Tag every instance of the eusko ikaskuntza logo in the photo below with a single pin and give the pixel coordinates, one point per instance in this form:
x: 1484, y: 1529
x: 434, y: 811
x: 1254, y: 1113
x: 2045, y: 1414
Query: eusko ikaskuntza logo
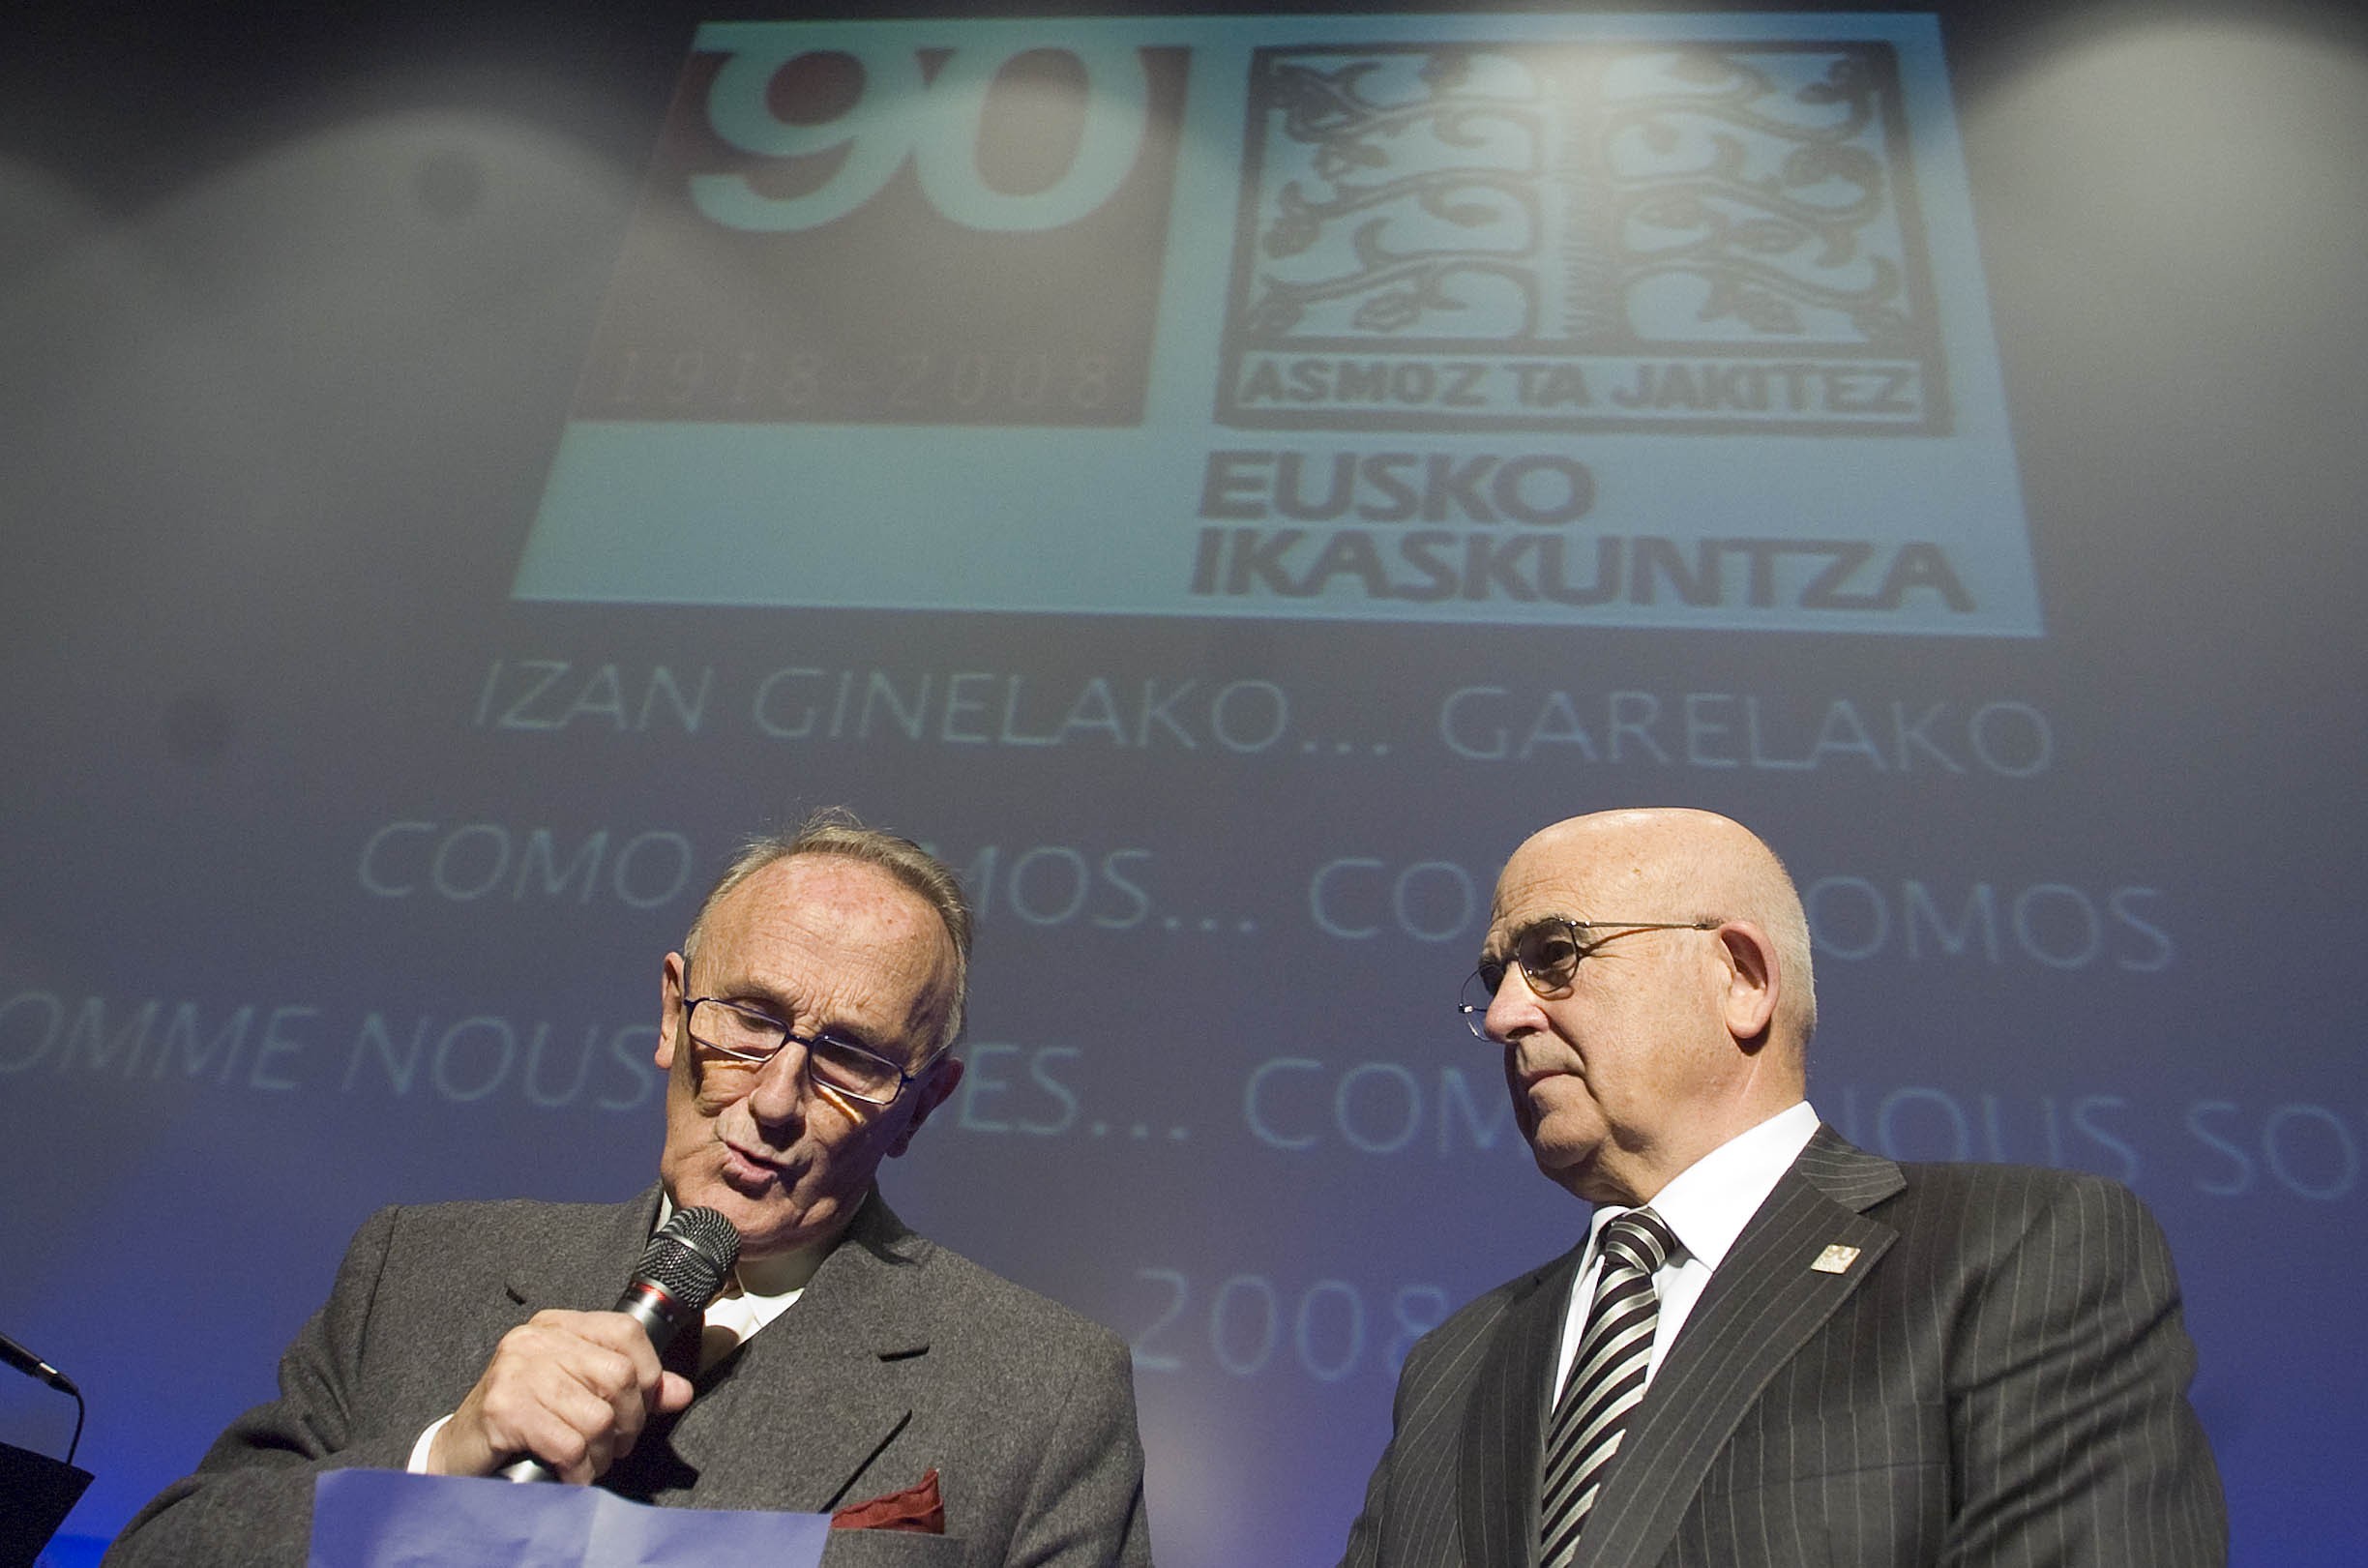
x: 1637, y: 236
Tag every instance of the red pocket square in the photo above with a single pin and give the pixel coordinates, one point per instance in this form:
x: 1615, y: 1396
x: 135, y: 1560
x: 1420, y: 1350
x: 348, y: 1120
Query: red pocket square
x: 917, y: 1508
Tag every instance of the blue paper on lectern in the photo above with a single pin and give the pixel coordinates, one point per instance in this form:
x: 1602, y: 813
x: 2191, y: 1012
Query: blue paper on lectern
x: 386, y: 1518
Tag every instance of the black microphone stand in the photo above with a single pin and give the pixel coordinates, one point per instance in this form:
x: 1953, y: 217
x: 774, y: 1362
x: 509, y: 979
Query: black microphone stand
x: 37, y: 1492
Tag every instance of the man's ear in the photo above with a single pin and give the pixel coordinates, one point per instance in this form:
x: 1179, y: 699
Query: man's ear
x: 670, y: 1013
x: 930, y: 1091
x: 1754, y: 980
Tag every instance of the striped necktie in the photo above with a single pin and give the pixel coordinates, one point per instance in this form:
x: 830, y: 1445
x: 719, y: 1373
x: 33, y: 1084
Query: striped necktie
x: 1607, y: 1379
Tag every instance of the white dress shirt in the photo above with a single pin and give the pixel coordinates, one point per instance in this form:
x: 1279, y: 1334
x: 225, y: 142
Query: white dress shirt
x: 1705, y: 1207
x: 758, y: 1291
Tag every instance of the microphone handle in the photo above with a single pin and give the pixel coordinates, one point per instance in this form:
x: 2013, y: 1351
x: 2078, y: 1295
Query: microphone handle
x: 660, y: 1316
x: 33, y: 1365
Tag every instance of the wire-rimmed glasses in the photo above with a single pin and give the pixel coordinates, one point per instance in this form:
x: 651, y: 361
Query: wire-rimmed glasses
x: 1548, y: 952
x: 739, y: 1037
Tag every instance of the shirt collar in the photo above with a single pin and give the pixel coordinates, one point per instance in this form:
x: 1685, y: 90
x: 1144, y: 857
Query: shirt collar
x: 1710, y: 1202
x: 762, y: 1280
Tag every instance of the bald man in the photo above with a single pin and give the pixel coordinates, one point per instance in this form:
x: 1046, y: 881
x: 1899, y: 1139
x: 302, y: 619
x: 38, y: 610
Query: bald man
x: 1771, y: 1347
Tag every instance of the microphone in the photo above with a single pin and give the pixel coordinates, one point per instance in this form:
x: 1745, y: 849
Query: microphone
x: 680, y: 1272
x: 33, y: 1365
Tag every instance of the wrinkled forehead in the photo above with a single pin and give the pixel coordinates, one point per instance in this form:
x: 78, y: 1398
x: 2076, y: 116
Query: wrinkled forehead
x: 1577, y: 877
x: 872, y: 936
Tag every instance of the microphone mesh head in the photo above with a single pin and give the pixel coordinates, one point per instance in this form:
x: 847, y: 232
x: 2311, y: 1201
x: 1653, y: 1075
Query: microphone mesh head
x: 691, y: 1255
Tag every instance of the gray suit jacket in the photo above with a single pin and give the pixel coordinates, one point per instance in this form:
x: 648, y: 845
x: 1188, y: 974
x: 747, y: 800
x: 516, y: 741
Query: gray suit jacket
x: 900, y: 1357
x: 1999, y: 1377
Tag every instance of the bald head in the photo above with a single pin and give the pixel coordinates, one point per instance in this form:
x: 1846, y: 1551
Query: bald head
x: 1692, y: 865
x: 1656, y: 996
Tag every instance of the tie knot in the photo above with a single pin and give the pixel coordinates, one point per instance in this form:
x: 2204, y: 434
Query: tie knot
x: 1640, y: 1238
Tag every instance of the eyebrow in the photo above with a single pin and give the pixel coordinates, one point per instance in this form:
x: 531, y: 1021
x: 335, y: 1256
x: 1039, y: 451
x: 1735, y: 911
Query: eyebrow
x: 854, y: 1034
x: 757, y: 999
x: 1513, y: 937
x: 791, y: 1018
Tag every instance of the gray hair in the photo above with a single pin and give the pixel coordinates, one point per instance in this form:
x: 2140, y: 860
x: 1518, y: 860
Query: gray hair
x: 834, y: 830
x: 1761, y: 888
x: 1789, y: 928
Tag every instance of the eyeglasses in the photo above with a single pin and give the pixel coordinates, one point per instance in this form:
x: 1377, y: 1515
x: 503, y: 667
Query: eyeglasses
x: 740, y: 1039
x: 1546, y: 952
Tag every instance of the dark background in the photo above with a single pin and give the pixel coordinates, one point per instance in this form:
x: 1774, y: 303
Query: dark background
x: 293, y: 302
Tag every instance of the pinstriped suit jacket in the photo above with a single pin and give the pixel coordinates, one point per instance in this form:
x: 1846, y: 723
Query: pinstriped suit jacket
x: 1999, y: 1377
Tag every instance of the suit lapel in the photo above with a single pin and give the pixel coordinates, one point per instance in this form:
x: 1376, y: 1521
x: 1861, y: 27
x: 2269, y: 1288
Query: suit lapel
x: 792, y: 1417
x: 1496, y: 1483
x: 1762, y: 1306
x: 584, y: 1266
x: 801, y: 1408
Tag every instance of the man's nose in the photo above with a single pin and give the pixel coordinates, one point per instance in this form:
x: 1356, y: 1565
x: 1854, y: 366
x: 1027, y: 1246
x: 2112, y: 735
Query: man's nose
x: 1514, y: 1009
x: 777, y: 1099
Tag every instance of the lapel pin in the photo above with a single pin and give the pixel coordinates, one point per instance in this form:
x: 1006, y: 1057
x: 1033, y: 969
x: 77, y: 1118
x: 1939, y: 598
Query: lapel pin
x: 1835, y: 1259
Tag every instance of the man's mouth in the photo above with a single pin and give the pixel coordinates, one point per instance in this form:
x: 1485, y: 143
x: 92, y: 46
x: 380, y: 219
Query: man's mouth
x: 750, y: 1171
